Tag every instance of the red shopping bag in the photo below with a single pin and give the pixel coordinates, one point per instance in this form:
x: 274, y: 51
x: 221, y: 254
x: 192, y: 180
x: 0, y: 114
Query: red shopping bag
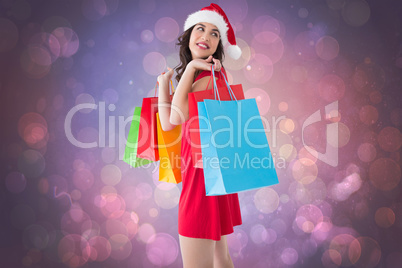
x: 199, y: 96
x: 147, y: 133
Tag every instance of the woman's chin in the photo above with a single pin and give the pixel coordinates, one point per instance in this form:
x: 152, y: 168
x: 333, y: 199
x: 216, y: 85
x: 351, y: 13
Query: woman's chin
x: 202, y: 57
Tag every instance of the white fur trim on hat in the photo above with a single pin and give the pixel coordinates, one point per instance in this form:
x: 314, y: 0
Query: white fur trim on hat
x: 210, y: 17
x: 234, y: 51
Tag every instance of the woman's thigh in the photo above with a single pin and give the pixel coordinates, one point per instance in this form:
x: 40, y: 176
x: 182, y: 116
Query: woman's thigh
x: 197, y: 252
x: 221, y: 255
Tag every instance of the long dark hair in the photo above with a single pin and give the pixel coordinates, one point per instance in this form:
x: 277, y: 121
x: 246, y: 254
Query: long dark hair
x: 185, y: 53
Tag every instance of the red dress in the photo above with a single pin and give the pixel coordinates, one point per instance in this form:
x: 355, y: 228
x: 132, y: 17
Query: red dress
x: 202, y: 216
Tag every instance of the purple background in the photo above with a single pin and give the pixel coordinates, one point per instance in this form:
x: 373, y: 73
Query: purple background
x: 63, y: 205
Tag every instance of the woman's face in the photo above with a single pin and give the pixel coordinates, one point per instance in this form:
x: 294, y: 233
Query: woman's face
x: 204, y: 40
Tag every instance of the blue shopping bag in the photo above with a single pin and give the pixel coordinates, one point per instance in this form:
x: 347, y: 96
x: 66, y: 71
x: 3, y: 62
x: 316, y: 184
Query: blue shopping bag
x: 235, y: 151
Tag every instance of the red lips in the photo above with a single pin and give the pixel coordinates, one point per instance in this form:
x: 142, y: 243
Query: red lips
x: 202, y: 45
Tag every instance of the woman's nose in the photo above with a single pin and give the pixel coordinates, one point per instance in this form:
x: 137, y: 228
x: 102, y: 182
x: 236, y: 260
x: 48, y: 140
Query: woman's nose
x: 204, y: 37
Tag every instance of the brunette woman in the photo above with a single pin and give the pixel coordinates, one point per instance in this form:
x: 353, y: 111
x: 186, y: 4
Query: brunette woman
x: 204, y: 221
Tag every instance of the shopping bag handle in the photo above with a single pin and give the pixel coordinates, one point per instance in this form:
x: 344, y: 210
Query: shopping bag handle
x: 157, y: 83
x: 231, y: 93
x: 216, y: 93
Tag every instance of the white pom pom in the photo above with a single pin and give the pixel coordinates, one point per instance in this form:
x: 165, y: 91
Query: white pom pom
x: 234, y: 51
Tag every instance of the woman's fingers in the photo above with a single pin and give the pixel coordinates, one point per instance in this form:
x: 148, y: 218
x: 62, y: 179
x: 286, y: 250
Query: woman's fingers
x: 166, y: 76
x: 217, y: 65
x: 170, y: 73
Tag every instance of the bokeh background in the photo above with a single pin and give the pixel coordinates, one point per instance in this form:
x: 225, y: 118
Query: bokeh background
x: 73, y: 71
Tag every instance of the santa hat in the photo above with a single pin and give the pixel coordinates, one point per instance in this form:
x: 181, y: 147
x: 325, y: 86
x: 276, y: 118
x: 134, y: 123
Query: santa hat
x: 214, y: 14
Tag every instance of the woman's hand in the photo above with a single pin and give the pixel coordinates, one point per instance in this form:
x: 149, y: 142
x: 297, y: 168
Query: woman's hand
x: 165, y: 77
x: 201, y: 64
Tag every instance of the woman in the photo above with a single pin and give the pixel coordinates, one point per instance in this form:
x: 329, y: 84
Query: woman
x: 204, y: 221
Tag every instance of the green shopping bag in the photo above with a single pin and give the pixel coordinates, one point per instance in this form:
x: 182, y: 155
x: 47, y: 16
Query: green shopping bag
x: 130, y: 152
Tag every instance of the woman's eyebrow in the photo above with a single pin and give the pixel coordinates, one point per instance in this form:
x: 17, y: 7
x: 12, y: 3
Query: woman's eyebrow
x: 216, y: 30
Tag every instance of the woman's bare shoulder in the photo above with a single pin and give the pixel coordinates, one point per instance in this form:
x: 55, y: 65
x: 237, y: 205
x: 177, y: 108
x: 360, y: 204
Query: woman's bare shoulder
x: 201, y: 84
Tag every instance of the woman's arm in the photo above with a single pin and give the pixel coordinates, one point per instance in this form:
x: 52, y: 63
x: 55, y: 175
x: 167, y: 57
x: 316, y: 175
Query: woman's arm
x: 175, y: 112
x: 164, y: 102
x: 179, y: 110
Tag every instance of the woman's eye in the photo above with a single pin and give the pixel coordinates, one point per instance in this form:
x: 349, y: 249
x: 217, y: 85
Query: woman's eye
x: 200, y: 28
